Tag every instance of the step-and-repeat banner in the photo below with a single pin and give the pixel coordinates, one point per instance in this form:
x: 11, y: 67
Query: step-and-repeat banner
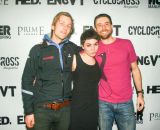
x: 24, y: 22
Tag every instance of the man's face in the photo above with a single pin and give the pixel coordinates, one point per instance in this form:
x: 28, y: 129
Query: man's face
x: 103, y: 27
x: 62, y: 28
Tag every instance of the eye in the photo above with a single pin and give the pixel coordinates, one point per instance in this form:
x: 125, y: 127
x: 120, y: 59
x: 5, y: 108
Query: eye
x: 88, y: 45
x: 99, y: 25
x: 96, y: 44
x: 61, y: 23
x: 107, y: 23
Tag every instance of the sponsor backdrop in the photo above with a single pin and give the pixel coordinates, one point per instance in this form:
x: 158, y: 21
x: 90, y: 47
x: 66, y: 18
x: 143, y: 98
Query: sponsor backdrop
x: 24, y: 22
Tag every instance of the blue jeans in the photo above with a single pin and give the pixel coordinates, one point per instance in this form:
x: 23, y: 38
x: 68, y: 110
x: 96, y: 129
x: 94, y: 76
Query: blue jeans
x: 121, y: 113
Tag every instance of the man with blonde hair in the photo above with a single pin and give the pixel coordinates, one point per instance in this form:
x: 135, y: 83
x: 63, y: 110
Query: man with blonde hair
x: 46, y: 79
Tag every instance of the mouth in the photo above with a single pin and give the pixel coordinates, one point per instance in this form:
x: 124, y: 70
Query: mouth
x: 94, y: 53
x: 64, y: 34
x: 104, y: 32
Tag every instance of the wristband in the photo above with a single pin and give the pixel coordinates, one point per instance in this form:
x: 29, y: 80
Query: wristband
x: 141, y: 91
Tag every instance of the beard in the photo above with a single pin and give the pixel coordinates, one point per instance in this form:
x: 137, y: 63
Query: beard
x: 106, y: 36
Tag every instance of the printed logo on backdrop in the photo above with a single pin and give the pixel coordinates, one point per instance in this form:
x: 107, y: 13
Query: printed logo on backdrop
x: 49, y: 2
x: 144, y: 30
x: 154, y: 89
x: 5, y: 32
x: 65, y: 2
x: 7, y: 91
x: 124, y: 3
x: 30, y: 30
x: 116, y: 29
x: 139, y: 117
x: 5, y: 120
x: 153, y: 3
x: 153, y: 60
x: 9, y: 62
x: 27, y: 2
x: 154, y: 117
x: 4, y: 2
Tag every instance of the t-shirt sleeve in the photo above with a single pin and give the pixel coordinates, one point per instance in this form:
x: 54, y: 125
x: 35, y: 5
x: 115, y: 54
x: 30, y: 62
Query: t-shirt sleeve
x: 132, y: 54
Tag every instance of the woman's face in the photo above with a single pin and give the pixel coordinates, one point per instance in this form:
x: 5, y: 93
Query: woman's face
x: 90, y: 47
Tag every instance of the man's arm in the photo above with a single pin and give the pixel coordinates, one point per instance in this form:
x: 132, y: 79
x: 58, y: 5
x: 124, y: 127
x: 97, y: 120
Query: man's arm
x: 28, y: 81
x: 28, y: 78
x: 138, y: 84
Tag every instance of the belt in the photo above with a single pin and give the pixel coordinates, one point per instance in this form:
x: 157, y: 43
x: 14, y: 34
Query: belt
x: 57, y: 105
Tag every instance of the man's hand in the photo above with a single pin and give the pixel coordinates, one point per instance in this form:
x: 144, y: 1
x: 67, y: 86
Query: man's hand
x: 140, y: 102
x: 29, y: 120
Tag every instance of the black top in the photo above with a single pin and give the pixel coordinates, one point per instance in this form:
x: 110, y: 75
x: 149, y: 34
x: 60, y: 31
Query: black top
x: 84, y: 106
x: 85, y: 82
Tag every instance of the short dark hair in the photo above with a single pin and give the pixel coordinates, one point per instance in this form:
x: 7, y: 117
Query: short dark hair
x: 89, y: 34
x: 102, y: 15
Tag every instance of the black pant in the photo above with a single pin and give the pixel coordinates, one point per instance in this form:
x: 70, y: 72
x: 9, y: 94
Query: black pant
x: 48, y: 119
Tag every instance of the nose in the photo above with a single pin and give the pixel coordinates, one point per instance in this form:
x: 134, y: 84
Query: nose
x: 65, y: 27
x: 103, y: 27
x: 93, y: 48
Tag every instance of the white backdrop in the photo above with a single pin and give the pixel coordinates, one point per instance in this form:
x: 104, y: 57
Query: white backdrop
x: 24, y: 22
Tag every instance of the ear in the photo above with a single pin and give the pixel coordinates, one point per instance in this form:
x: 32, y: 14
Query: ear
x: 94, y: 29
x: 82, y: 46
x: 52, y: 27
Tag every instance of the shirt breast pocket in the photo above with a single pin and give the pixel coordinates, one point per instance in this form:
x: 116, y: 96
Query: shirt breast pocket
x: 49, y: 66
